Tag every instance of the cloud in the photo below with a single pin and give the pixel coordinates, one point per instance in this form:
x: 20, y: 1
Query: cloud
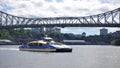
x: 112, y: 1
x: 57, y: 8
x: 1, y: 7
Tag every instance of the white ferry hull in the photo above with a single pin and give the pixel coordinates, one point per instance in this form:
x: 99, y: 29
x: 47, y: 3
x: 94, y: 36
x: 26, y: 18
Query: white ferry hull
x: 39, y: 50
x: 46, y: 50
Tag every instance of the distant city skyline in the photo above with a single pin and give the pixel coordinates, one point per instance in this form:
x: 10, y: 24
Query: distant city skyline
x: 87, y: 30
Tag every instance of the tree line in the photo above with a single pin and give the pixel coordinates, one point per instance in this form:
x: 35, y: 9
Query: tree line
x: 26, y: 35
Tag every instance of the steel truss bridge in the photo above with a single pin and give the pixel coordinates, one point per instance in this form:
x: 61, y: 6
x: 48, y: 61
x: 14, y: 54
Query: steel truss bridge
x: 107, y: 19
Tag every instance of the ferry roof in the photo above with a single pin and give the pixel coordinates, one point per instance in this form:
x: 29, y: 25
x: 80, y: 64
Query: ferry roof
x: 48, y: 38
x: 74, y: 41
x: 40, y: 41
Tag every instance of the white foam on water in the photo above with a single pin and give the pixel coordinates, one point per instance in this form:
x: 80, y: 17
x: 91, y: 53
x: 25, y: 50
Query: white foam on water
x: 16, y: 49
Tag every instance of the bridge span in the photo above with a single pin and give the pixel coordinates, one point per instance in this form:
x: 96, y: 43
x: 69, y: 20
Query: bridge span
x: 107, y: 19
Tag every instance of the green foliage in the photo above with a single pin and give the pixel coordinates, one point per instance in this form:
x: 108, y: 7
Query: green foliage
x: 4, y: 34
x: 116, y: 42
x: 15, y: 34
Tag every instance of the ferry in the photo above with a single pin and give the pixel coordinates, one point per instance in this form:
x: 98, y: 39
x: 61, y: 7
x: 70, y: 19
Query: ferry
x: 45, y: 45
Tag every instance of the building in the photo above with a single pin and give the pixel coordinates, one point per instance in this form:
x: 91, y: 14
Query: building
x: 53, y: 29
x: 116, y: 34
x: 74, y: 42
x: 57, y: 30
x: 103, y: 31
x: 6, y: 42
x: 48, y: 30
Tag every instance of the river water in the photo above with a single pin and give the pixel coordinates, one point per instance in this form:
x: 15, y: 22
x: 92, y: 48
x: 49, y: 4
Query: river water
x: 87, y: 56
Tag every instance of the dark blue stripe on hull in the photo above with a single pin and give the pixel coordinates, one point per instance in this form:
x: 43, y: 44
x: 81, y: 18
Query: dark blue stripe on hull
x: 64, y: 50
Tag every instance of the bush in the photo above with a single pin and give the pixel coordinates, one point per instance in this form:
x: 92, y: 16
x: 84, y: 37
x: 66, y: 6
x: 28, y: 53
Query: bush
x: 116, y: 42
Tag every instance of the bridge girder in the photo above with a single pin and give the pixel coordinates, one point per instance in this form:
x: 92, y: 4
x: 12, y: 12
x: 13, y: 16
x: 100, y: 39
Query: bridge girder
x: 107, y: 19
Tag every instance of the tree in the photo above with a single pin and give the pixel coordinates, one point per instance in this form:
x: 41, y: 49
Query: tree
x: 84, y: 34
x: 116, y: 42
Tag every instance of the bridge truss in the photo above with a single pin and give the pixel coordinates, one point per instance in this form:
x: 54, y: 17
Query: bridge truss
x: 107, y: 19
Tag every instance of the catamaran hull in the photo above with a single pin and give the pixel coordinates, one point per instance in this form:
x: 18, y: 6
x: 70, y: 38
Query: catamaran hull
x: 47, y: 50
x: 64, y: 50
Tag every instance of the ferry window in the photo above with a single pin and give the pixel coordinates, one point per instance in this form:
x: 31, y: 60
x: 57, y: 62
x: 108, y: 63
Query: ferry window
x: 40, y: 44
x: 32, y: 44
x: 29, y: 44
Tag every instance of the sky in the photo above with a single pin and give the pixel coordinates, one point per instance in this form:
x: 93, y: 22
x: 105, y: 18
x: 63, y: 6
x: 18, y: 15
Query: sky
x: 61, y: 8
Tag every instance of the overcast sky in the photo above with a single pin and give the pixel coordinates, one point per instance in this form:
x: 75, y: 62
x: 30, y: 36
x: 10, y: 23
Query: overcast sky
x: 61, y: 8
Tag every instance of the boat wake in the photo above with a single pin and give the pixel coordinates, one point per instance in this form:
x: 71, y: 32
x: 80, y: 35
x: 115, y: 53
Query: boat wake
x: 16, y: 49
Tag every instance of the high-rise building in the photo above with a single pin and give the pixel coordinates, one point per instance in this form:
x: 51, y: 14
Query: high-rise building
x: 57, y: 30
x: 103, y: 31
x: 116, y: 34
x: 50, y: 30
